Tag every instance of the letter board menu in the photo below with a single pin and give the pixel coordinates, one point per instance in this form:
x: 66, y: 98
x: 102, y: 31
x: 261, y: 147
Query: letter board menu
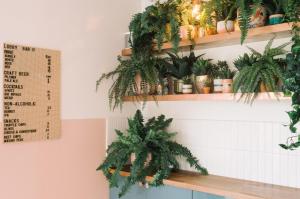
x: 31, y: 91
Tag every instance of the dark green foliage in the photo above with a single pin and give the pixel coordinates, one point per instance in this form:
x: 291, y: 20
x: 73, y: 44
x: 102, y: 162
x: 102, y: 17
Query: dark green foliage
x: 292, y: 84
x: 143, y: 139
x: 264, y: 70
x: 124, y: 78
x: 275, y: 6
x: 181, y: 67
x: 292, y: 10
x: 221, y: 8
x: 223, y: 70
x: 202, y: 67
x: 245, y: 60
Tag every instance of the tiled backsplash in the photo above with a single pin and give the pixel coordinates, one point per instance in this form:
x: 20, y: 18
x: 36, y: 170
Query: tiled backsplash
x: 230, y: 139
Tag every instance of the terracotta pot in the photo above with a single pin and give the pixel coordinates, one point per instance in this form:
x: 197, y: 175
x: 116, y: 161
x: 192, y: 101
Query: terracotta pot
x: 187, y: 89
x: 211, y: 30
x: 227, y: 85
x: 133, y: 158
x: 276, y: 19
x: 223, y: 27
x: 263, y: 88
x: 218, y: 85
x: 206, y: 90
x: 200, y: 82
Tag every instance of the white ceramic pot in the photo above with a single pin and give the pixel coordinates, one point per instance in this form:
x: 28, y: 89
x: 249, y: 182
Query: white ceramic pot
x: 201, y: 32
x: 200, y: 82
x: 187, y: 89
x: 227, y: 85
x: 223, y: 26
x: 218, y: 85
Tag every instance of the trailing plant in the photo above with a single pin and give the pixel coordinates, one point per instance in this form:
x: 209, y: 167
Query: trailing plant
x: 292, y: 84
x: 245, y: 60
x: 265, y: 70
x: 145, y: 139
x: 201, y: 67
x: 220, y: 9
x: 124, y: 78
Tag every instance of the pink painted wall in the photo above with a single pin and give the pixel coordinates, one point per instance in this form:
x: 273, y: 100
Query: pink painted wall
x: 59, y: 169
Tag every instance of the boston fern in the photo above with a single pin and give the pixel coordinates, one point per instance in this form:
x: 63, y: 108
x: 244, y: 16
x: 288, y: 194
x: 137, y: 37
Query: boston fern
x: 123, y: 76
x: 144, y: 139
x: 265, y: 70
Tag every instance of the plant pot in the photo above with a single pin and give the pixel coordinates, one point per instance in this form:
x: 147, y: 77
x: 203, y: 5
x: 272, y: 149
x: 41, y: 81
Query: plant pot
x: 200, y: 82
x: 171, y: 85
x: 259, y: 17
x: 227, y: 85
x: 211, y: 30
x: 138, y: 83
x: 133, y: 158
x: 206, y: 90
x: 201, y: 32
x: 276, y: 19
x: 218, y: 85
x: 263, y: 88
x: 178, y: 86
x: 187, y: 32
x: 187, y: 88
x: 223, y: 26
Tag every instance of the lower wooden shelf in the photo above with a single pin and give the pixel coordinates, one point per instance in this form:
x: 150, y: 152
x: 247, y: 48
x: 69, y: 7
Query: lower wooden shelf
x: 228, y: 187
x: 206, y: 97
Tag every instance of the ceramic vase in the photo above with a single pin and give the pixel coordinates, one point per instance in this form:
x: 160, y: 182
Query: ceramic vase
x: 218, y: 85
x: 200, y: 82
x: 227, y: 85
x: 223, y: 26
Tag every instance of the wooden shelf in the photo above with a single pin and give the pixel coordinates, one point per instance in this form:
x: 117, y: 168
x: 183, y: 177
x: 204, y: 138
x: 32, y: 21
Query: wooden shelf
x: 255, y: 34
x: 228, y: 187
x: 206, y: 97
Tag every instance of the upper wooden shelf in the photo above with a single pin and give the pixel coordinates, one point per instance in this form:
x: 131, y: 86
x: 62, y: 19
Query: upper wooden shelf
x: 228, y: 187
x: 206, y: 97
x: 231, y: 38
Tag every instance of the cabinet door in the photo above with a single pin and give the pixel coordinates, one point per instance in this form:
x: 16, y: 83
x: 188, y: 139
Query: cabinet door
x: 200, y: 195
x: 135, y: 192
x: 164, y: 192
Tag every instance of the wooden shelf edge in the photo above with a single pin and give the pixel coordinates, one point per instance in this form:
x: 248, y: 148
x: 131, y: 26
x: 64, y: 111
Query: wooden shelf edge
x: 206, y: 97
x: 225, y: 38
x: 224, y: 186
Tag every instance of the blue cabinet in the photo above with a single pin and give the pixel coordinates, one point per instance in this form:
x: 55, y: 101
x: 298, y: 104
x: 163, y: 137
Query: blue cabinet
x: 200, y: 195
x: 162, y: 192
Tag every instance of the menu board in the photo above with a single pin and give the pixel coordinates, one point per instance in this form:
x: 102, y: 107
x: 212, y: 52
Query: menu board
x: 31, y: 91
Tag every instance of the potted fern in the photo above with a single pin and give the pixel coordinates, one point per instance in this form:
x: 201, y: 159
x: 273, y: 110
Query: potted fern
x: 131, y: 77
x: 264, y: 72
x: 148, y: 141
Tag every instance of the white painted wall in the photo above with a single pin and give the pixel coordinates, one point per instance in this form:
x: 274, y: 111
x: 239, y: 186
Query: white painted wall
x: 89, y: 33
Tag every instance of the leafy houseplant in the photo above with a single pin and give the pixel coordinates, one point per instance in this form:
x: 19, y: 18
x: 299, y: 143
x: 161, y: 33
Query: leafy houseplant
x: 143, y: 139
x: 226, y: 74
x: 275, y: 9
x: 201, y: 70
x: 264, y: 71
x: 181, y: 67
x: 292, y: 84
x: 124, y: 79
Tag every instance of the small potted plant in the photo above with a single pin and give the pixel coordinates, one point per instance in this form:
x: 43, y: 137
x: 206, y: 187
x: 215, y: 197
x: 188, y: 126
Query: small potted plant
x: 227, y: 76
x: 207, y: 86
x: 275, y: 10
x: 218, y: 76
x: 187, y: 87
x: 200, y: 70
